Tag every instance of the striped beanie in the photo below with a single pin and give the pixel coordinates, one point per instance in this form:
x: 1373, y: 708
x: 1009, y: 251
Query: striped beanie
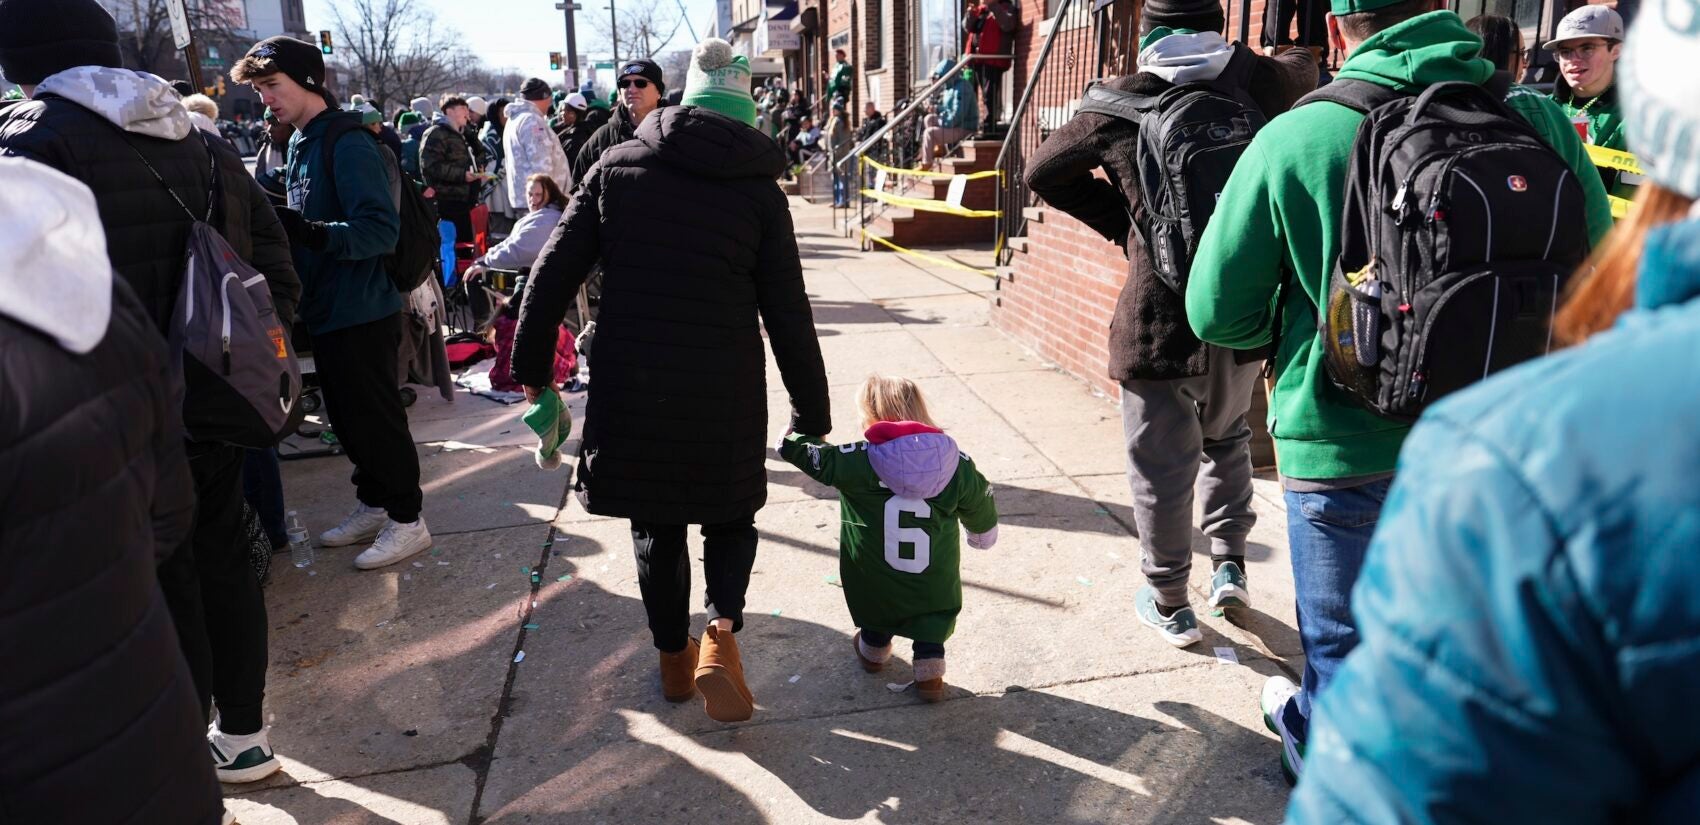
x: 1661, y: 93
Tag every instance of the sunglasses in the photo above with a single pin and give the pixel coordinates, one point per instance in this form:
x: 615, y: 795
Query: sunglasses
x: 637, y: 82
x: 1584, y: 51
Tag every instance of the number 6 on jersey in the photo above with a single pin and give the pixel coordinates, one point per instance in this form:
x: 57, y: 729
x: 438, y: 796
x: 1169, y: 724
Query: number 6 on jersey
x: 896, y: 536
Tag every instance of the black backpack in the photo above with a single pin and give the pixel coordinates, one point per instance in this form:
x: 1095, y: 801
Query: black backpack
x: 418, y: 248
x: 1190, y: 137
x: 1460, y: 229
x: 241, y: 382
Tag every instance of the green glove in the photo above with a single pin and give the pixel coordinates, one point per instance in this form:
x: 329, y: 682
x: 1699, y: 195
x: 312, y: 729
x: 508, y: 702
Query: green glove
x: 552, y: 422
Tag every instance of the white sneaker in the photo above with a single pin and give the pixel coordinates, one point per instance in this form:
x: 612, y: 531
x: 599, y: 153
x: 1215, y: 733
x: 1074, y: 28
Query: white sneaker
x: 1277, y: 692
x: 240, y: 759
x: 395, y: 542
x: 361, y: 525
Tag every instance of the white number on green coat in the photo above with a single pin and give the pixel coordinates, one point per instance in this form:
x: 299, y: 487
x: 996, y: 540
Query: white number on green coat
x: 896, y: 536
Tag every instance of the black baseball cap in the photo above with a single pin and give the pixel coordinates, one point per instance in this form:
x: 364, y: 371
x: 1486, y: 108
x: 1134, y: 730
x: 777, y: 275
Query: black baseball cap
x: 298, y: 60
x: 645, y: 68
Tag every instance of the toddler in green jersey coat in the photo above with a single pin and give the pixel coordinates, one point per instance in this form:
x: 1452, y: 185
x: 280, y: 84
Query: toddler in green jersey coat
x: 902, y: 493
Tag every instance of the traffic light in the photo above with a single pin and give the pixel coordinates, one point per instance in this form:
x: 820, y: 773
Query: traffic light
x: 554, y: 61
x: 325, y: 42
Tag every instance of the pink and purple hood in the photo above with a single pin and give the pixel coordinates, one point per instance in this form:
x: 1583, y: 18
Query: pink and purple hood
x: 914, y: 460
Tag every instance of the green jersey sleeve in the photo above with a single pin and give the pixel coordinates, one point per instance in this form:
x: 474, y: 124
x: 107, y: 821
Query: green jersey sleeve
x: 813, y: 455
x: 976, y: 507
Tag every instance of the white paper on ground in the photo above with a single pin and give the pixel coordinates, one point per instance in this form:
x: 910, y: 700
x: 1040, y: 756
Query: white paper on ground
x: 1227, y: 656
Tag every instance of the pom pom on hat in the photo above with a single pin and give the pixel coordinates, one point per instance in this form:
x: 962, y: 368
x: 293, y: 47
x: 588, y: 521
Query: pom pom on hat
x: 719, y: 81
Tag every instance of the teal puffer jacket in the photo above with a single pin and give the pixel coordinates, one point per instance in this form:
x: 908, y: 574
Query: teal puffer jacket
x: 1530, y: 627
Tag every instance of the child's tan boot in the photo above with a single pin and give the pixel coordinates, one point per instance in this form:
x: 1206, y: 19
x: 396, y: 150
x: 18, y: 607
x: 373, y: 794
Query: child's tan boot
x: 929, y: 679
x: 873, y: 659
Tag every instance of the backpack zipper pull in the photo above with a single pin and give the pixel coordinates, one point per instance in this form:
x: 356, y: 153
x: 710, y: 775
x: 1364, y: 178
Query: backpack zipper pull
x: 1398, y: 205
x: 226, y: 355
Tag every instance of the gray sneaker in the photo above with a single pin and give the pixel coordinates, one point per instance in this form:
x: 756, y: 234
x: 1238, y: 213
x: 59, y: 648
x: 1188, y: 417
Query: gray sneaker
x: 1228, y: 587
x: 1179, y: 629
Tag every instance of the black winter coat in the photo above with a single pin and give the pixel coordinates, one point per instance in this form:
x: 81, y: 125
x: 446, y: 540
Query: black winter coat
x: 1150, y: 339
x: 444, y: 159
x: 99, y: 720
x: 699, y: 253
x: 616, y: 131
x: 146, y: 231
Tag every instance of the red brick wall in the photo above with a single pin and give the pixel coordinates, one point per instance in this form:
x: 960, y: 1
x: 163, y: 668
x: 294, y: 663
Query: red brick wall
x: 1061, y: 296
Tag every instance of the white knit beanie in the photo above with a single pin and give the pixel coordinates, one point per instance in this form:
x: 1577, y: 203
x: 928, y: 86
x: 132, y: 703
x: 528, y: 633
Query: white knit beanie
x: 1661, y: 93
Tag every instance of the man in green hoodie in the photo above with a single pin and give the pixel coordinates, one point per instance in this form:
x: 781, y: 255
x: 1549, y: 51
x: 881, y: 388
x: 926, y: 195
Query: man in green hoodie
x: 1281, y: 213
x: 341, y: 225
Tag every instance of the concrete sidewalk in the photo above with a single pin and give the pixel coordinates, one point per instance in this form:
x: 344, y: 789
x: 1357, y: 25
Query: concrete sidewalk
x: 398, y: 695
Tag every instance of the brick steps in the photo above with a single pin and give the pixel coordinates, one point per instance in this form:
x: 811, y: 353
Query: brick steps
x: 910, y: 228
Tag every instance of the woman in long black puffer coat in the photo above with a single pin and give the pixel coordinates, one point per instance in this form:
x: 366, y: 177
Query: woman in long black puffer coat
x: 696, y: 243
x: 99, y: 720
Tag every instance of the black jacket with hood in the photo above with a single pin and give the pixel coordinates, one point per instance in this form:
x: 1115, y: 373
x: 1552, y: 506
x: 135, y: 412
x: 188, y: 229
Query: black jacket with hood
x: 699, y: 255
x: 84, y: 121
x: 99, y: 720
x: 1149, y: 336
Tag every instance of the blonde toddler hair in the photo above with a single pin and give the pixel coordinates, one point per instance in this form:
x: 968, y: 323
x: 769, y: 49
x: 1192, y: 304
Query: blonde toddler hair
x: 892, y: 399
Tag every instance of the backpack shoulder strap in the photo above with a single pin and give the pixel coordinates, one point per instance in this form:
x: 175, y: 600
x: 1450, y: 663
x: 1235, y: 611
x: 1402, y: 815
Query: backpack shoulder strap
x: 327, y: 146
x: 1360, y: 96
x: 1103, y: 100
x: 1236, y: 76
x: 1499, y: 85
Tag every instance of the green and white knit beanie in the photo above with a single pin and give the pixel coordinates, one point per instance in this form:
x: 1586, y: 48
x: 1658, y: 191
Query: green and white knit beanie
x: 719, y: 81
x: 1661, y: 93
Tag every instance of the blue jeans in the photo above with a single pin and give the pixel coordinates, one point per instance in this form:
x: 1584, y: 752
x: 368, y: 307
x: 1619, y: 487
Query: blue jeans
x: 840, y: 189
x: 262, y: 486
x: 1328, y: 533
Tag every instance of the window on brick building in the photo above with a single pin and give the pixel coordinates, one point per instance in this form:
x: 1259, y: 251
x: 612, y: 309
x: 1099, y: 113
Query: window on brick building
x: 873, y: 13
x: 938, y: 36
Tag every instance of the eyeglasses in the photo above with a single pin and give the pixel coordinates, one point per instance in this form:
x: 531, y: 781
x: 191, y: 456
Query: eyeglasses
x: 1585, y: 51
x: 636, y: 82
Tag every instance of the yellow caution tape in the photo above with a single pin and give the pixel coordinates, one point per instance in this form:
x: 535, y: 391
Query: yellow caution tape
x: 1614, y: 159
x: 921, y: 173
x: 933, y: 259
x: 925, y: 205
x: 1619, y: 206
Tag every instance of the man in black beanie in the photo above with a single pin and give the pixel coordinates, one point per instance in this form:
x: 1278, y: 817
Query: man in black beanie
x: 641, y: 88
x: 1183, y: 403
x: 107, y: 126
x: 1194, y: 15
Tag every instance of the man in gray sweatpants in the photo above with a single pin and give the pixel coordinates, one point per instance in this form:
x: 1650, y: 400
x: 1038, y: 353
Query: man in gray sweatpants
x: 1183, y: 402
x: 1162, y: 421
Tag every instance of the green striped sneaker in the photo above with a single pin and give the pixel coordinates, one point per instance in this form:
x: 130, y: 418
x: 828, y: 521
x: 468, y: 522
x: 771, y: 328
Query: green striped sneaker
x: 1179, y: 628
x: 241, y: 759
x: 1228, y: 587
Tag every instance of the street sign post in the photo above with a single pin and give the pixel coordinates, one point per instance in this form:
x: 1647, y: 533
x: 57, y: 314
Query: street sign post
x: 184, y: 39
x: 571, y: 68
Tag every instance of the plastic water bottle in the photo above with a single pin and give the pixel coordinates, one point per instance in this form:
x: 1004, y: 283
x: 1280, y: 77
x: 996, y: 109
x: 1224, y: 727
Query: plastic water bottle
x: 300, y: 547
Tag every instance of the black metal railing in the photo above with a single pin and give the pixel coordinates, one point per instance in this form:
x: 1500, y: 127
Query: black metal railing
x: 1066, y: 63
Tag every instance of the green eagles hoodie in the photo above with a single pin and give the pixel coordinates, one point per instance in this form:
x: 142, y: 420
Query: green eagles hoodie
x: 344, y: 284
x: 1281, y: 210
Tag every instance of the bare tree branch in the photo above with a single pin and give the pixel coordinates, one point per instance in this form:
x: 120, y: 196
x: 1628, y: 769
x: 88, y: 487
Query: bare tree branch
x: 393, y: 51
x: 645, y: 27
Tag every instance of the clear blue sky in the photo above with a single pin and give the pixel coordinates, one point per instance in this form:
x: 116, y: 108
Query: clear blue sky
x: 519, y: 33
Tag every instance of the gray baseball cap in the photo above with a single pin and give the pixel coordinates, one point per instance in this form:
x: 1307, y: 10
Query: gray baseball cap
x: 1586, y: 22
